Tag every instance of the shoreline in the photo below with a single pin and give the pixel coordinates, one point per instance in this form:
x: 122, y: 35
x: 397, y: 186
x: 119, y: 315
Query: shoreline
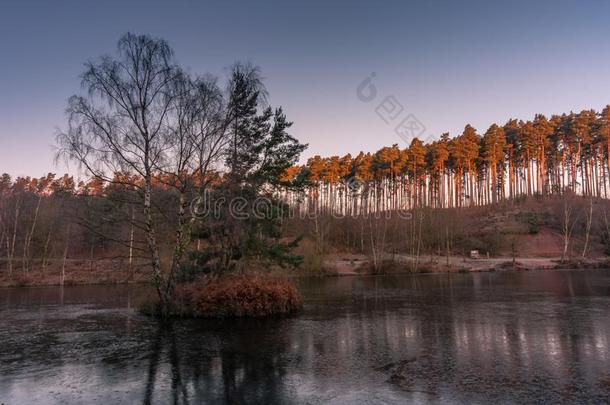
x: 404, y: 264
x: 401, y: 265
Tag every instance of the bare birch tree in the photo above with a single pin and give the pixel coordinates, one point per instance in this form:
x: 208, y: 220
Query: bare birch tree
x: 143, y: 116
x: 568, y: 219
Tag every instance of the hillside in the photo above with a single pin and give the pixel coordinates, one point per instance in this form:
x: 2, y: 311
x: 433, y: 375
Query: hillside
x: 534, y: 230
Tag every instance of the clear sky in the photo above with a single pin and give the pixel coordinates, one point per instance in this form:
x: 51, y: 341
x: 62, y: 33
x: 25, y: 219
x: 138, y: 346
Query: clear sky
x: 447, y: 63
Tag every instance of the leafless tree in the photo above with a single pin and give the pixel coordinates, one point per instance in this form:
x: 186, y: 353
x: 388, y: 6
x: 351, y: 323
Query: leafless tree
x: 197, y: 135
x: 568, y: 219
x: 144, y: 116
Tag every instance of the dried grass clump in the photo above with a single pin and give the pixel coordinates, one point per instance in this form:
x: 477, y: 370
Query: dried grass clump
x: 238, y: 296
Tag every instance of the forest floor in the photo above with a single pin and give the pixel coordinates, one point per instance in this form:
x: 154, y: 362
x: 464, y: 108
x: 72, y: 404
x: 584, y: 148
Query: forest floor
x: 76, y: 272
x: 531, y: 229
x: 84, y: 272
x: 402, y: 263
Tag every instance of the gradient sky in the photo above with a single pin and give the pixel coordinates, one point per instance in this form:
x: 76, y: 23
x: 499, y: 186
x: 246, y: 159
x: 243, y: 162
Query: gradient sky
x: 447, y: 63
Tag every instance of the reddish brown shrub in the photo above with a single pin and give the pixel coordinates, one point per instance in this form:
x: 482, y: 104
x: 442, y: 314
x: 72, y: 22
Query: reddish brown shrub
x: 238, y: 296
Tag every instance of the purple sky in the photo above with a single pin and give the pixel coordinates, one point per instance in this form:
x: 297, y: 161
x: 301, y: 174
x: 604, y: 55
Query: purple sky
x: 447, y: 64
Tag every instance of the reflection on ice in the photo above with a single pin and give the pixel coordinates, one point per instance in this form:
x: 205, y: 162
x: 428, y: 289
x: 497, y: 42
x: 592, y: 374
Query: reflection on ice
x: 518, y: 337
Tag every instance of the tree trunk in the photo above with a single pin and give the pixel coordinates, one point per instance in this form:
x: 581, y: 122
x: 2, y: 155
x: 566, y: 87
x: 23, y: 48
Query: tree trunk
x: 28, y: 238
x: 11, y: 251
x: 45, y: 251
x: 421, y: 219
x: 588, y: 228
x: 566, y: 230
x: 155, y: 260
x: 373, y: 251
x: 65, y: 258
x: 183, y: 238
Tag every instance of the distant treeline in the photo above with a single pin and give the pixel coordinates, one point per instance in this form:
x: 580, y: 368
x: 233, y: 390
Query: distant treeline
x: 51, y: 217
x: 42, y: 218
x: 542, y: 156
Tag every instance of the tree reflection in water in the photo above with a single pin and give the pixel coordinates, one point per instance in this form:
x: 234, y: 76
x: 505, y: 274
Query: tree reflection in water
x: 468, y: 338
x: 228, y: 367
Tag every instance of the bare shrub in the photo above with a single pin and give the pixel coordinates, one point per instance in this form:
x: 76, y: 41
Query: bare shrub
x: 237, y: 296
